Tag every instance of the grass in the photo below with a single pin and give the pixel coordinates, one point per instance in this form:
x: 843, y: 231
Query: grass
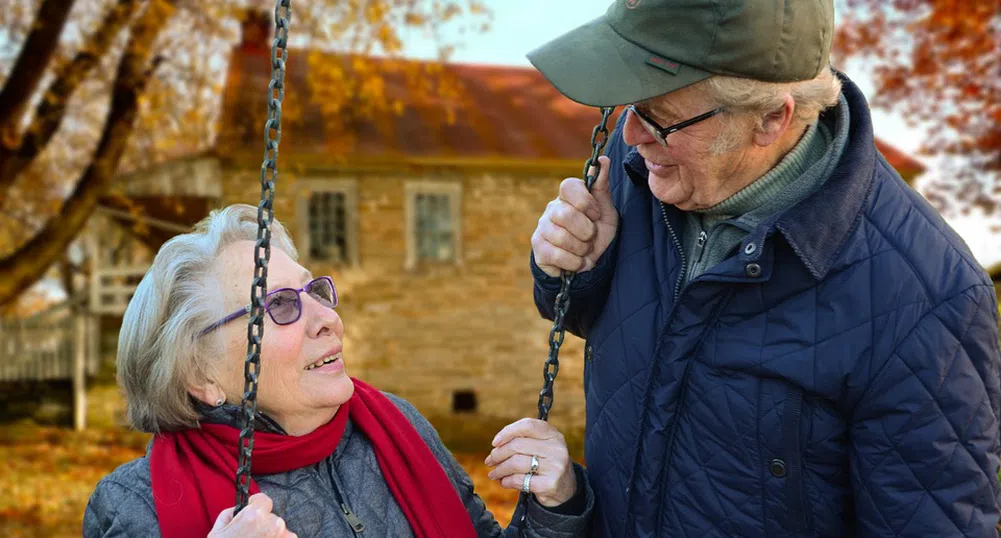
x: 50, y: 472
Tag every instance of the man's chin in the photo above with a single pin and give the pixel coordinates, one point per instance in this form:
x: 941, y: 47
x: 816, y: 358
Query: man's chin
x: 664, y: 188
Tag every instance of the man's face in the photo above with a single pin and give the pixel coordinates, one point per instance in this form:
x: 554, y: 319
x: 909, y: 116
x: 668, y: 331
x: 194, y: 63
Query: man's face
x: 688, y: 173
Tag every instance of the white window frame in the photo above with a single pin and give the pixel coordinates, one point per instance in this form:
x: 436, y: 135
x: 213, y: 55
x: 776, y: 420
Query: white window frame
x: 410, y: 191
x: 347, y: 187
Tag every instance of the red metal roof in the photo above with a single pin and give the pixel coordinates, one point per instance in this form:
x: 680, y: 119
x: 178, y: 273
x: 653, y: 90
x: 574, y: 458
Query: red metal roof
x: 506, y: 112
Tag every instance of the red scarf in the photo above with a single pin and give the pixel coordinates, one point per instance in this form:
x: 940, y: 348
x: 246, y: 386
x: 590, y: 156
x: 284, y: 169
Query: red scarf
x: 194, y: 471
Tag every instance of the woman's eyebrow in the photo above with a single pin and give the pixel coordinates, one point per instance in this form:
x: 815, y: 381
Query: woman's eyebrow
x: 304, y: 277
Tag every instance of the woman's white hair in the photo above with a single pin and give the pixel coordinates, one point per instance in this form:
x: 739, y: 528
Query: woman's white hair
x: 748, y: 101
x: 160, y: 353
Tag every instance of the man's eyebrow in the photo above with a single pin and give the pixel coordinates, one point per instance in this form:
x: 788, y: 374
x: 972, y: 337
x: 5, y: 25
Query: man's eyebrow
x: 659, y: 110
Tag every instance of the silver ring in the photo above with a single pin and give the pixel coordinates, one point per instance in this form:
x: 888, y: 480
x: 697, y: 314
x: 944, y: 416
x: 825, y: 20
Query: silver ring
x: 535, y: 465
x: 527, y: 484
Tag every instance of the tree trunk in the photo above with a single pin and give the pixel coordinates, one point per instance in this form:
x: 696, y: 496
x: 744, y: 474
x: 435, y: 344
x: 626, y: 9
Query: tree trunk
x: 27, y: 264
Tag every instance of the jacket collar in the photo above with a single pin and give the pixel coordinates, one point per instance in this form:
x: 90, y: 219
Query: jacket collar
x: 229, y: 415
x: 818, y: 227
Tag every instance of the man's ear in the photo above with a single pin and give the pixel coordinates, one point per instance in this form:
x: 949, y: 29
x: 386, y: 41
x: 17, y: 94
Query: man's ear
x: 775, y: 123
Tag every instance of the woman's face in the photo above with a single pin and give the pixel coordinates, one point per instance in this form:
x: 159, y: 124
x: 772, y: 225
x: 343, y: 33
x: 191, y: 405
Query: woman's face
x: 292, y: 389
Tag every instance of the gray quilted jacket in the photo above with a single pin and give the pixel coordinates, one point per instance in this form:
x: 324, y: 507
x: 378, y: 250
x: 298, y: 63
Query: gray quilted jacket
x: 310, y: 498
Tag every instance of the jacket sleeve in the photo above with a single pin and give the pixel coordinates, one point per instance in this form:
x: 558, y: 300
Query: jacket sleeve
x: 925, y: 435
x: 539, y: 523
x: 588, y: 293
x: 116, y: 511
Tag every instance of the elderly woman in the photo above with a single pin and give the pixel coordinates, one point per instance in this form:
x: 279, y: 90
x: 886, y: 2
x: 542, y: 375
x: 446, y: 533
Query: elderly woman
x: 332, y: 455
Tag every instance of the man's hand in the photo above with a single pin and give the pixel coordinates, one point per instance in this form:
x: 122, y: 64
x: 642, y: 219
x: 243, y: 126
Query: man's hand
x: 577, y: 227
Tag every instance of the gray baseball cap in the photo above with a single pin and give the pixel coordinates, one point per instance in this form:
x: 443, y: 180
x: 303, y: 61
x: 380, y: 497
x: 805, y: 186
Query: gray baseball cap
x: 644, y: 48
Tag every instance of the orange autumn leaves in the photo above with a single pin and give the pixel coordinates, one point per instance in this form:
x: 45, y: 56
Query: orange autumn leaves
x: 938, y: 62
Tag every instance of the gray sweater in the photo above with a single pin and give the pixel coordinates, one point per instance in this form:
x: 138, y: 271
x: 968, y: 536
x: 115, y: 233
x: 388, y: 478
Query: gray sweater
x: 307, y: 498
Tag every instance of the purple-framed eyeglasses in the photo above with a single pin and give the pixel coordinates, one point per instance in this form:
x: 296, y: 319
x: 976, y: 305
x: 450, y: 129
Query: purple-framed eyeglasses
x: 284, y: 305
x: 660, y: 133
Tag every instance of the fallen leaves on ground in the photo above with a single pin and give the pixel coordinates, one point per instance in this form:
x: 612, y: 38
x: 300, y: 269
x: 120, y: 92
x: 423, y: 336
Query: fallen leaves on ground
x: 50, y: 472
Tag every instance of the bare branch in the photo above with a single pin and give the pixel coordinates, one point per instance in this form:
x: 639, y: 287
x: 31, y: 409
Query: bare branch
x: 51, y: 110
x: 36, y: 50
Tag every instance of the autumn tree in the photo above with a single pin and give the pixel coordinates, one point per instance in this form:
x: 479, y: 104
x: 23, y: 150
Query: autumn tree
x: 938, y: 62
x: 94, y: 86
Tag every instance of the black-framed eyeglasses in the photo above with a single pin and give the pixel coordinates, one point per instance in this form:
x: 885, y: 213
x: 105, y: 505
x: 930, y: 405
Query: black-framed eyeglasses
x: 284, y: 305
x: 660, y: 133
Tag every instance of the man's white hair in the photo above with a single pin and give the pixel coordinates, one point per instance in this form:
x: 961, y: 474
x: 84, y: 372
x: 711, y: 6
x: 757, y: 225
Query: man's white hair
x: 747, y: 101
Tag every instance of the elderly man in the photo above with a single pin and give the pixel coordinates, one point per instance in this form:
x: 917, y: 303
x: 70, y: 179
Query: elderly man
x: 783, y: 339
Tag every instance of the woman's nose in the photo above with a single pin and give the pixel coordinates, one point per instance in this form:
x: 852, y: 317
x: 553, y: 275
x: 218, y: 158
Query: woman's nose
x: 321, y: 320
x: 633, y: 133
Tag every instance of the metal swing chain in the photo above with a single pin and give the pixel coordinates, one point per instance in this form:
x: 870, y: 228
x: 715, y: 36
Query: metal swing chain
x: 262, y: 251
x: 599, y: 137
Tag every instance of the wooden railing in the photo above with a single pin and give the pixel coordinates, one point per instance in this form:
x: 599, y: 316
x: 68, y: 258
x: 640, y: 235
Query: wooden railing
x: 58, y: 344
x: 111, y: 288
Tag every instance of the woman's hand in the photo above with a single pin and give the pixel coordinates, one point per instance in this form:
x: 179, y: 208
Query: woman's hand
x: 554, y: 482
x: 254, y: 521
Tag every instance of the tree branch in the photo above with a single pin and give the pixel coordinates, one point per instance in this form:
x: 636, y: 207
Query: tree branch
x: 51, y: 110
x: 27, y: 264
x: 24, y: 76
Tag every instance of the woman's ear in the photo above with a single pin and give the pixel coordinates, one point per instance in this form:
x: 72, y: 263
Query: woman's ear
x: 208, y: 392
x: 775, y: 123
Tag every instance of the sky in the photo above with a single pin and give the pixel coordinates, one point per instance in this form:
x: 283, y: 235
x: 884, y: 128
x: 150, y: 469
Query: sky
x: 518, y: 26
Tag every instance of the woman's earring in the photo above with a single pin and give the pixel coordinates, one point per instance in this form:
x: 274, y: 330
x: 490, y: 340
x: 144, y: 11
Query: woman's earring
x: 220, y: 401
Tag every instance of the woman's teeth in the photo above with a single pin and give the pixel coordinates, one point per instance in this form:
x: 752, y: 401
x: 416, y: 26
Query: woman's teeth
x: 321, y: 362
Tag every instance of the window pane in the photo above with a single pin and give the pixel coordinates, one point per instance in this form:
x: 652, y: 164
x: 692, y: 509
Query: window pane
x: 328, y: 227
x: 435, y: 240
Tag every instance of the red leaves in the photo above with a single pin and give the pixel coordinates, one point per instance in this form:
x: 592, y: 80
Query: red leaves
x: 938, y: 62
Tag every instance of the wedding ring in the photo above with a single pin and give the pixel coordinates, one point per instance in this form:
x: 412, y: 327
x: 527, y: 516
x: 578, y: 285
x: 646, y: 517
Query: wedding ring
x: 535, y: 465
x: 527, y: 484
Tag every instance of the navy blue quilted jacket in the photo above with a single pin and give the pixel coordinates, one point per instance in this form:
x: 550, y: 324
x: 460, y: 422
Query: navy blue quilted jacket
x: 837, y: 378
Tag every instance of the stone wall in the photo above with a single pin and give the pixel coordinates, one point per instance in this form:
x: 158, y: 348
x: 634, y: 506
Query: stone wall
x: 441, y: 334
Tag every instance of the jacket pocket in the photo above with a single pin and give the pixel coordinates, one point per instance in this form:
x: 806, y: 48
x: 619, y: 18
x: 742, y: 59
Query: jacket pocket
x: 588, y: 367
x: 798, y: 518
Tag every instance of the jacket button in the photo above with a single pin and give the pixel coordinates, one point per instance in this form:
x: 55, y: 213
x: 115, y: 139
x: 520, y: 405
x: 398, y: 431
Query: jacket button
x: 778, y: 468
x: 752, y: 270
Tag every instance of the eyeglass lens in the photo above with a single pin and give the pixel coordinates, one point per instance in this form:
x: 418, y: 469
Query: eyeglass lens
x: 285, y: 306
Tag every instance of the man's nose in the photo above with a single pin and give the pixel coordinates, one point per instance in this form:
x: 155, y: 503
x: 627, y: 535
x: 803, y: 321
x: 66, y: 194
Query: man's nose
x: 633, y: 133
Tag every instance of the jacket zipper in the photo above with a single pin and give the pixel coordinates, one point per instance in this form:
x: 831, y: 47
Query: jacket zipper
x: 630, y: 519
x: 682, y: 398
x: 353, y: 520
x: 681, y: 252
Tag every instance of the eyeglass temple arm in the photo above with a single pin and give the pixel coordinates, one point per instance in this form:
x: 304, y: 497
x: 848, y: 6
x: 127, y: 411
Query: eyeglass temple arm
x: 242, y: 312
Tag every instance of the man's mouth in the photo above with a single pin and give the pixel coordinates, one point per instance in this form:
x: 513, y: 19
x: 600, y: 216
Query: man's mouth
x: 656, y: 169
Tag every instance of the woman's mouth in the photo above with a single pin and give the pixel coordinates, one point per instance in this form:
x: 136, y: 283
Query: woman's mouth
x: 327, y: 364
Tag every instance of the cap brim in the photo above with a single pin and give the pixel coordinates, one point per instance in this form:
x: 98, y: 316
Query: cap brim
x: 595, y: 66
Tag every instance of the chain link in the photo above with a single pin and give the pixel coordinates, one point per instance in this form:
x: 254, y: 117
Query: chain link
x: 592, y: 167
x: 262, y: 251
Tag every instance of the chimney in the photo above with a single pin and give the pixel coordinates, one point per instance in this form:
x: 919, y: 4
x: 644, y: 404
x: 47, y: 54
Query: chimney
x: 257, y: 30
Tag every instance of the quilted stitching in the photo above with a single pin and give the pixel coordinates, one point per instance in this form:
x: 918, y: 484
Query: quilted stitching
x: 896, y: 350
